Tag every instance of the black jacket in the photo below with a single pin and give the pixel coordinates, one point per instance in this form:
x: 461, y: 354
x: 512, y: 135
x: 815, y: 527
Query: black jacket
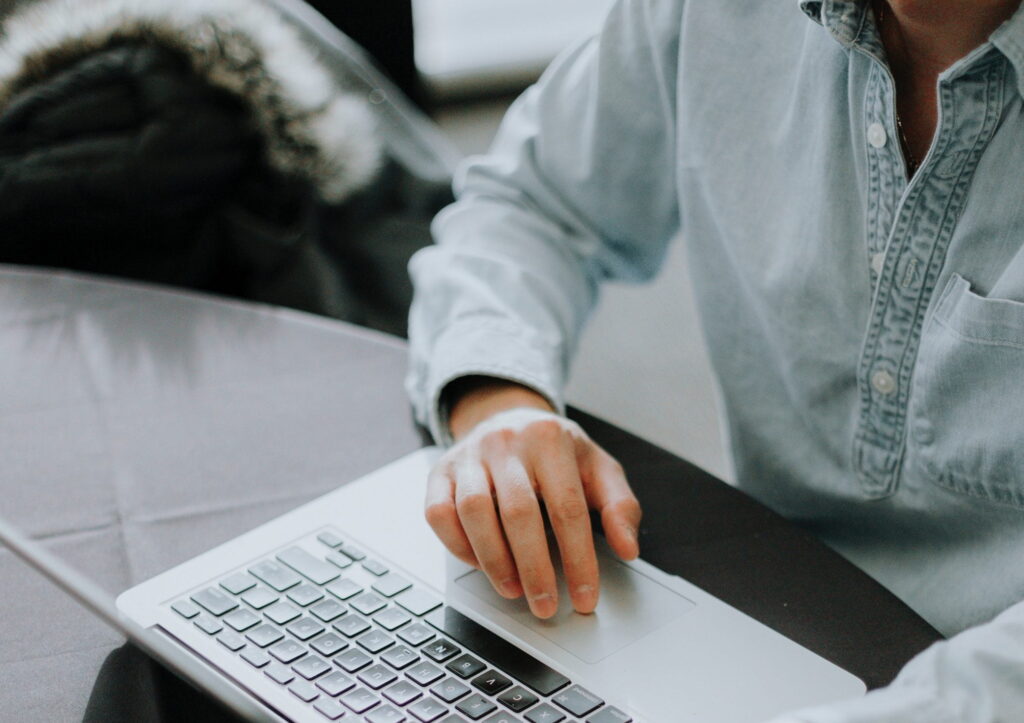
x: 242, y: 147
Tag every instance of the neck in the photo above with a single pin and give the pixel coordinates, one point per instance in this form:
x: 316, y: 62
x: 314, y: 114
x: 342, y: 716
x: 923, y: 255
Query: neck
x: 925, y: 37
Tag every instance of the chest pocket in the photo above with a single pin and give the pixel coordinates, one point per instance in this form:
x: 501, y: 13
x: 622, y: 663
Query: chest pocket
x: 967, y: 408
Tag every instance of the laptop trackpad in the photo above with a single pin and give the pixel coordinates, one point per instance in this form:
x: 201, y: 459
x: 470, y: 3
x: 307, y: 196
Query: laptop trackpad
x: 631, y: 606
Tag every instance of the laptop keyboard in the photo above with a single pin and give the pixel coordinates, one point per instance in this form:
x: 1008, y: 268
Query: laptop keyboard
x: 356, y: 641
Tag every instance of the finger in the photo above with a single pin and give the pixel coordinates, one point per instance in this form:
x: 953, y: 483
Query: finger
x: 475, y: 504
x: 608, y: 491
x: 524, y: 529
x: 443, y: 517
x: 558, y: 477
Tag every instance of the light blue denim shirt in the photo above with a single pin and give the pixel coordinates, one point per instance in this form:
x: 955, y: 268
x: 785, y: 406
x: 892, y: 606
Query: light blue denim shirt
x: 867, y: 332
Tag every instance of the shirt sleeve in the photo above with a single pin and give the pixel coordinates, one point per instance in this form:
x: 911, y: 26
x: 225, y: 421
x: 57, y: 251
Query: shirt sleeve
x: 578, y: 187
x: 974, y: 677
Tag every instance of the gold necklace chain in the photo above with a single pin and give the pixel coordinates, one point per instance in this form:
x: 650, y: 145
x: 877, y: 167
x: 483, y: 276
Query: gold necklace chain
x: 911, y: 159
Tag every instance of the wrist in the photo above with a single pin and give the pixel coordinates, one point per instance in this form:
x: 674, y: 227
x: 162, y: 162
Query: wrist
x: 471, y: 400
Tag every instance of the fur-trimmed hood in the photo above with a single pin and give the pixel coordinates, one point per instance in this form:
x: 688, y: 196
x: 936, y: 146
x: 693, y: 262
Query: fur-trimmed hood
x: 311, y: 128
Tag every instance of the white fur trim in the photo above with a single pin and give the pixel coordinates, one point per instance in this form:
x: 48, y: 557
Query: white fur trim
x: 311, y: 128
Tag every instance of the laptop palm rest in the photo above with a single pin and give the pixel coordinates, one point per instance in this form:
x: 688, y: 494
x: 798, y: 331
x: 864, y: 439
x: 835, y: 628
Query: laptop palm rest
x: 631, y: 606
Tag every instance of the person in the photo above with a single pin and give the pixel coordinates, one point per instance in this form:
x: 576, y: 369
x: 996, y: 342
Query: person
x: 845, y: 179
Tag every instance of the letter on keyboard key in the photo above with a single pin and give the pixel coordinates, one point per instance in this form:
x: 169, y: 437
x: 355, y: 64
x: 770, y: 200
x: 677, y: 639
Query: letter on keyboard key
x: 385, y: 714
x: 475, y: 706
x: 517, y: 699
x: 214, y: 601
x: 336, y: 683
x: 578, y: 701
x: 277, y: 576
x: 427, y: 710
x: 287, y: 651
x: 308, y: 566
x: 360, y: 700
x: 264, y: 635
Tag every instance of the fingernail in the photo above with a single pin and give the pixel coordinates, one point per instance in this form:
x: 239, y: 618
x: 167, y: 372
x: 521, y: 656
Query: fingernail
x: 511, y: 588
x: 585, y: 598
x: 543, y: 605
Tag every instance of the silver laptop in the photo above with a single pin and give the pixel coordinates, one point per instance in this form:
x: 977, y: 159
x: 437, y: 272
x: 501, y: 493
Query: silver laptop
x: 348, y: 608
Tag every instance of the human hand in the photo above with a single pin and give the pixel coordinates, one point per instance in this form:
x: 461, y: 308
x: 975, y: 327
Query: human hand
x: 484, y: 497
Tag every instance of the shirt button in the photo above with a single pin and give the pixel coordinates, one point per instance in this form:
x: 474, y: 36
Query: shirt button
x: 877, y: 262
x: 876, y: 135
x: 883, y: 382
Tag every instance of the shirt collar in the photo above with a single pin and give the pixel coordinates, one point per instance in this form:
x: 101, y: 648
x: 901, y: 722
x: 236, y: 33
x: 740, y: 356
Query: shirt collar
x: 846, y: 21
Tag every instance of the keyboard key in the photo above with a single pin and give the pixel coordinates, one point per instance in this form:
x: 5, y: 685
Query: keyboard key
x: 424, y: 673
x: 335, y: 684
x: 390, y: 585
x: 492, y: 682
x: 329, y: 708
x: 465, y: 666
x: 287, y: 651
x: 338, y: 560
x: 503, y: 717
x: 238, y: 583
x: 427, y: 710
x: 328, y: 644
x: 377, y: 676
x: 282, y: 612
x: 375, y: 641
x: 344, y: 589
x: 352, y: 660
x: 374, y: 567
x: 185, y: 609
x: 214, y: 601
x: 440, y: 650
x: 351, y: 625
x: 328, y: 610
x: 360, y: 700
x: 392, y: 618
x: 242, y: 619
x: 311, y: 667
x: 309, y: 567
x: 352, y: 551
x: 416, y: 634
x: 304, y: 691
x: 475, y: 706
x: 578, y: 701
x: 385, y: 714
x: 517, y: 699
x: 400, y: 657
x: 305, y: 628
x: 276, y: 575
x: 450, y: 690
x: 417, y: 601
x: 515, y: 662
x: 279, y: 673
x: 304, y: 595
x: 255, y: 657
x: 402, y: 693
x: 231, y: 641
x: 609, y: 714
x: 264, y: 635
x: 329, y: 539
x: 259, y: 598
x: 544, y: 713
x: 208, y: 625
x: 368, y: 603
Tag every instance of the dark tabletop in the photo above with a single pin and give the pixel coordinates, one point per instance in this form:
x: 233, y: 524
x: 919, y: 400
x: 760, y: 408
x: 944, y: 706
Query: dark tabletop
x: 139, y: 427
